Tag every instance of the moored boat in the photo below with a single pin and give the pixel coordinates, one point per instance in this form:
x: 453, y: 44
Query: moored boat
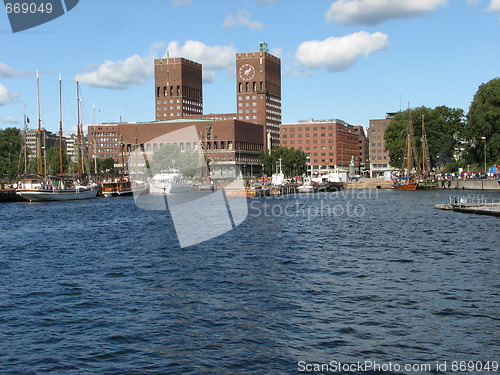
x: 36, y: 189
x: 39, y: 188
x: 407, y: 182
x: 168, y: 182
x: 121, y: 186
x: 308, y: 186
x: 427, y: 185
x: 405, y: 185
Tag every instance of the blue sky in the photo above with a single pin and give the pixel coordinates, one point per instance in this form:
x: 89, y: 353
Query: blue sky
x: 349, y: 59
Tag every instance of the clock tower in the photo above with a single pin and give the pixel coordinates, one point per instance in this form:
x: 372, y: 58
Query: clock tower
x: 258, y: 90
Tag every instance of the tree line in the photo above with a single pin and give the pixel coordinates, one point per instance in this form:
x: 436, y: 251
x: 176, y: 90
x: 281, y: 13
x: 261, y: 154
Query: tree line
x: 455, y: 139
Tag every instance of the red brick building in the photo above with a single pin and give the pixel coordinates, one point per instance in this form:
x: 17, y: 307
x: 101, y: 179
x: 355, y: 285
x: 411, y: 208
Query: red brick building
x: 258, y: 91
x: 328, y: 143
x: 178, y: 88
x: 379, y: 156
x: 228, y: 144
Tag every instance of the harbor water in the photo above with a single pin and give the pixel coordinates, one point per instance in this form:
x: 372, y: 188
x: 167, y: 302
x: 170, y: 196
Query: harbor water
x: 321, y: 283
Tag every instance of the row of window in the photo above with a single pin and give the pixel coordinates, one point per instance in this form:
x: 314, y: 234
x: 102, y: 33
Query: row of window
x: 299, y: 129
x: 105, y: 139
x: 96, y: 134
x: 247, y: 104
x: 248, y: 117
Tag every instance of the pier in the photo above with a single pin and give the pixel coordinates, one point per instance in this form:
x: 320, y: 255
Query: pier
x: 473, y: 204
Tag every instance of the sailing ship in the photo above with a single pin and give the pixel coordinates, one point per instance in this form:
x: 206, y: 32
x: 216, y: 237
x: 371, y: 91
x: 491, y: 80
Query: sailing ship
x: 408, y: 182
x: 42, y: 187
x: 426, y: 181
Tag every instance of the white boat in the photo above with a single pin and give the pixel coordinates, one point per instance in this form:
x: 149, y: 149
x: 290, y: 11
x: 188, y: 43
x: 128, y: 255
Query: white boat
x: 35, y: 189
x: 308, y: 186
x: 168, y: 182
x: 278, y: 178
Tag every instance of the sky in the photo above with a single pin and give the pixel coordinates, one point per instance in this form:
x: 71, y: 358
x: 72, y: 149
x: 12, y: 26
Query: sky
x: 353, y: 60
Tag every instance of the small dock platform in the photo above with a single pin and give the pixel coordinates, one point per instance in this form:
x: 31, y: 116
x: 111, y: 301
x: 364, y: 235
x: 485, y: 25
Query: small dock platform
x: 474, y: 204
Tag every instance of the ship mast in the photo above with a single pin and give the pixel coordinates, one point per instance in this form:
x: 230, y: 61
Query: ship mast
x: 39, y: 129
x: 61, y: 172
x: 25, y: 143
x: 123, y: 156
x: 79, y: 132
x: 94, y: 146
x: 425, y: 152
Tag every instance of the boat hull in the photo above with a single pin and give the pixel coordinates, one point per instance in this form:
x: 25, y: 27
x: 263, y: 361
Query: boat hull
x: 44, y: 195
x: 427, y: 185
x: 306, y: 189
x: 168, y: 188
x: 409, y: 186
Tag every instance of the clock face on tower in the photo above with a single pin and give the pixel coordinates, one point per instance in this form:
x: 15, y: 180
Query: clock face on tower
x: 247, y: 72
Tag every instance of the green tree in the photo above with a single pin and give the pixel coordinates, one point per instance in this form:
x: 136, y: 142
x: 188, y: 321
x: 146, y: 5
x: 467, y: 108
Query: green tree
x: 483, y: 121
x: 105, y: 164
x: 171, y: 156
x: 443, y: 127
x: 293, y: 162
x: 52, y: 158
x: 11, y: 159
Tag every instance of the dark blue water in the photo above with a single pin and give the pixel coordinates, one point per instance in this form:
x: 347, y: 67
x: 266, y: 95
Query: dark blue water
x: 102, y: 287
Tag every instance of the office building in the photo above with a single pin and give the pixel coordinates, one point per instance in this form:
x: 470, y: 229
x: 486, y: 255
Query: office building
x: 379, y: 156
x: 328, y: 144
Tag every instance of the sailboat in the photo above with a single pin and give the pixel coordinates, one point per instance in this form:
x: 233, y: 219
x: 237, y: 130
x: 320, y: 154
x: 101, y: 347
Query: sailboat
x: 426, y: 182
x: 407, y: 182
x: 41, y: 187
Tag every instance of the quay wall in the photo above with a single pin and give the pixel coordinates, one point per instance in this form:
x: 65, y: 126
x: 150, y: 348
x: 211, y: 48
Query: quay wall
x: 444, y: 184
x: 9, y: 195
x: 469, y: 184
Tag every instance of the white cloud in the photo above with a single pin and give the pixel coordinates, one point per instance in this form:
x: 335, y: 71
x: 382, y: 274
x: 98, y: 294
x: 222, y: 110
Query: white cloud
x: 8, y: 72
x: 494, y: 6
x: 373, y: 12
x: 339, y: 53
x: 213, y: 58
x: 133, y: 71
x: 9, y: 120
x: 7, y: 96
x: 242, y: 18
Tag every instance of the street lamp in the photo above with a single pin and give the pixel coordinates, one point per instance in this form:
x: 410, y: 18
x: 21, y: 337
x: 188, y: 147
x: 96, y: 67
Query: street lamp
x: 485, y: 168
